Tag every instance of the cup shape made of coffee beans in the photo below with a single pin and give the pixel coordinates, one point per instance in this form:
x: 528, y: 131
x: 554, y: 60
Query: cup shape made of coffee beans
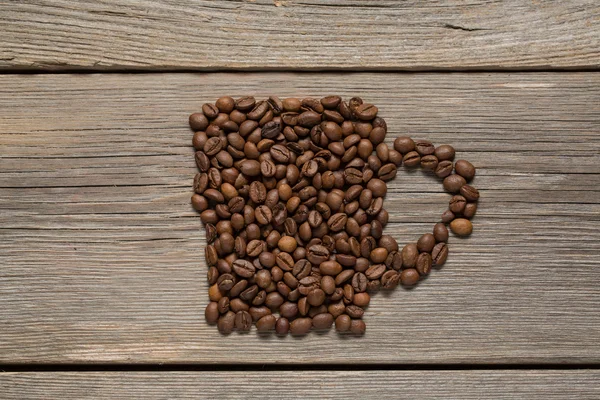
x: 291, y: 194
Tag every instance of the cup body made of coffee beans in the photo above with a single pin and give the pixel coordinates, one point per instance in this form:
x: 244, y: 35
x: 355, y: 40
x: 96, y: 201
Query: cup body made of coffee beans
x: 291, y: 194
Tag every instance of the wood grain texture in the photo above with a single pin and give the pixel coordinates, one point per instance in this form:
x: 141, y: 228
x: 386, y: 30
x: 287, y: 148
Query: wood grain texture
x: 533, y: 384
x: 299, y: 34
x: 102, y: 255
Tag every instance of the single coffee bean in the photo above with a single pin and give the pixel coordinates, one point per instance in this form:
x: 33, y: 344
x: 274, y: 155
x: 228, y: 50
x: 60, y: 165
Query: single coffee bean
x: 457, y: 203
x: 453, y: 183
x: 316, y: 297
x: 366, y: 112
x: 330, y: 267
x: 358, y: 327
x: 198, y: 122
x: 266, y: 323
x: 291, y: 104
x: 375, y: 271
x: 465, y: 169
x: 226, y: 323
x: 426, y: 243
x: 362, y: 299
x: 411, y: 159
x: 282, y: 326
x: 440, y: 232
x: 344, y: 276
x: 410, y: 252
x: 444, y: 152
x: 254, y: 248
x: 387, y: 172
x: 404, y: 145
x: 359, y: 282
x: 210, y: 110
x: 443, y: 169
x: 429, y: 162
x: 300, y: 326
x: 439, y: 254
x: 211, y: 313
x: 470, y: 210
x: 424, y: 147
x: 409, y: 277
x: 469, y: 192
x: 243, y: 321
x: 447, y: 216
x: 461, y: 227
x: 424, y: 263
x: 342, y: 323
x: 355, y: 311
x: 243, y: 268
x: 322, y: 321
x: 389, y: 280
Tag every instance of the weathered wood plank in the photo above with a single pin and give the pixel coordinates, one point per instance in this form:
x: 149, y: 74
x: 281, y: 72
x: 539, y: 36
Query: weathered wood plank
x: 497, y: 384
x: 299, y: 34
x: 102, y: 256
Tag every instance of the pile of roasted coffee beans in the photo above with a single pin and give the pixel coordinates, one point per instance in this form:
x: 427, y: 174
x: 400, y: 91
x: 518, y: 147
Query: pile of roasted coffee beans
x: 291, y: 194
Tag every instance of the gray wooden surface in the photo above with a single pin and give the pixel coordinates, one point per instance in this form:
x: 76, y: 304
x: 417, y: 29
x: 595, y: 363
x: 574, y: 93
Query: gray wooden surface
x: 102, y: 256
x: 467, y: 385
x: 299, y: 34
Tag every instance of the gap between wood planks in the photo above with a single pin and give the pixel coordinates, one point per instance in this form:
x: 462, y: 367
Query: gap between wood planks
x: 342, y: 70
x: 289, y: 367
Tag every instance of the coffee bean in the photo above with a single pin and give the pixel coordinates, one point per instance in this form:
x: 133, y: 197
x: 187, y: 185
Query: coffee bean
x: 447, y: 216
x: 470, y: 210
x: 465, y: 169
x: 457, y: 203
x: 344, y: 276
x: 308, y: 119
x: 461, y: 227
x: 443, y: 169
x: 317, y: 254
x: 266, y: 323
x: 440, y: 232
x: 453, y: 183
x: 359, y: 282
x: 410, y: 252
x: 409, y: 277
x: 375, y: 271
x: 411, y: 159
x: 426, y: 242
x: 389, y: 280
x: 250, y: 167
x: 198, y: 122
x: 429, y: 162
x: 439, y: 254
x: 424, y: 147
x: 469, y: 192
x: 444, y: 152
x: 211, y: 313
x: 355, y: 311
x: 316, y: 297
x: 404, y: 145
x: 365, y: 112
x: 424, y: 263
x: 212, y: 146
x: 243, y: 321
x: 226, y: 323
x: 342, y: 323
x: 387, y: 172
x: 243, y: 268
x: 300, y: 326
x: 282, y: 326
x: 254, y: 248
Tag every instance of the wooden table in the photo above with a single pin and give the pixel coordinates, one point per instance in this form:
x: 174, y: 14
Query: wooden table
x: 102, y: 276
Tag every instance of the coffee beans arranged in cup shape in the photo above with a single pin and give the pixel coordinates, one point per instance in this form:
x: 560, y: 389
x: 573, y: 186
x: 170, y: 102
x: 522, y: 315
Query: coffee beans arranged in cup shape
x: 291, y: 193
